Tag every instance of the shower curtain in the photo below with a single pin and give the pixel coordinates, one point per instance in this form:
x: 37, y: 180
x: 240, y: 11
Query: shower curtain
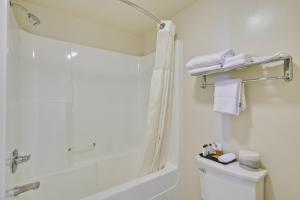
x: 160, y: 102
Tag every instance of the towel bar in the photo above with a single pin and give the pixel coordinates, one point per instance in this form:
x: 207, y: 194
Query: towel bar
x: 287, y: 71
x: 205, y: 84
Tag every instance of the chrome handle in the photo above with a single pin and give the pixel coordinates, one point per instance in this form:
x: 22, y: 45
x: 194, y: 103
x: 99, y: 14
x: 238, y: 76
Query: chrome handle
x: 16, y: 160
x: 203, y: 170
x: 21, y: 189
x: 85, y: 148
x: 22, y: 159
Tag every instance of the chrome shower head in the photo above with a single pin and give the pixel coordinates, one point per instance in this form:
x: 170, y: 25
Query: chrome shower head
x: 34, y: 20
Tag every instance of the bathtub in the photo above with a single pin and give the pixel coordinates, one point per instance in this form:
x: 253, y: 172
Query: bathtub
x: 106, y: 179
x: 150, y: 187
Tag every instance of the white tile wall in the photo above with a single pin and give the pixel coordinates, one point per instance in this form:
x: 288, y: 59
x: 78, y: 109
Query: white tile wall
x: 72, y: 95
x: 105, y: 94
x: 12, y: 110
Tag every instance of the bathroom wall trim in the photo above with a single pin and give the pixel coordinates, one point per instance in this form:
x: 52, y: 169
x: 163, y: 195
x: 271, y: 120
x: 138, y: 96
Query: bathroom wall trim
x: 3, y: 36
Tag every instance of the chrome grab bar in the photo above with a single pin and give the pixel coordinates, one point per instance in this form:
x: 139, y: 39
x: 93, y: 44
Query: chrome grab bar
x: 21, y: 189
x: 89, y: 147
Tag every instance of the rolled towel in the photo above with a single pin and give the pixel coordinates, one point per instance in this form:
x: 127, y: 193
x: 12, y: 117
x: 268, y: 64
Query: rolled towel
x: 241, y: 56
x: 209, y: 60
x: 266, y: 58
x: 226, y: 158
x: 242, y: 59
x: 204, y: 69
x: 235, y: 63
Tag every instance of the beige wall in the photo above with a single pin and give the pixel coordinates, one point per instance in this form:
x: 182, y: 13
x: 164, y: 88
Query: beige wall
x: 149, y: 41
x: 61, y: 26
x: 271, y: 124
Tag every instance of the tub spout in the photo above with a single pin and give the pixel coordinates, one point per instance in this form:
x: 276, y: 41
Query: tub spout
x: 21, y: 189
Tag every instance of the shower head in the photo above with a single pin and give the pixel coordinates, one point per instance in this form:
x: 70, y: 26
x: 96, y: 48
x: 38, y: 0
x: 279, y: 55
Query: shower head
x: 34, y: 20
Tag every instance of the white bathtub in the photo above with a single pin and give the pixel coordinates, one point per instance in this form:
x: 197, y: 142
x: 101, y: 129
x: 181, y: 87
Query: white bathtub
x: 105, y: 179
x: 149, y: 187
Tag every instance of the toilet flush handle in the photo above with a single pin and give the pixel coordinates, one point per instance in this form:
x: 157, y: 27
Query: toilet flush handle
x: 203, y: 170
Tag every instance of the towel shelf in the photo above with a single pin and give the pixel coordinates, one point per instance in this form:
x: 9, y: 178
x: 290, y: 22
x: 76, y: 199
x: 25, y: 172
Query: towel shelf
x: 287, y: 71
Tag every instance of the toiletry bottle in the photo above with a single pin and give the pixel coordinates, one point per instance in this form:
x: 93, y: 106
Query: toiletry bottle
x: 205, y: 150
x: 210, y: 149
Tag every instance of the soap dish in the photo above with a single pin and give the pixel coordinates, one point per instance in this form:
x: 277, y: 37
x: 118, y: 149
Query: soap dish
x: 210, y: 157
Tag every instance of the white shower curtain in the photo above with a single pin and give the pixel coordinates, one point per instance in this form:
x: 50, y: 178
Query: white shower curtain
x: 160, y: 101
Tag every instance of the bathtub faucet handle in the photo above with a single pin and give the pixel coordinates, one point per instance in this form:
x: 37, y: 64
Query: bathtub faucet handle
x: 203, y: 170
x: 16, y: 160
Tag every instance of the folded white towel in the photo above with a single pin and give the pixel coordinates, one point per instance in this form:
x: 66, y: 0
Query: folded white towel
x: 209, y: 60
x: 229, y: 97
x: 240, y: 56
x: 235, y: 63
x: 266, y: 58
x: 226, y: 158
x: 242, y: 59
x: 204, y: 69
x: 234, y: 58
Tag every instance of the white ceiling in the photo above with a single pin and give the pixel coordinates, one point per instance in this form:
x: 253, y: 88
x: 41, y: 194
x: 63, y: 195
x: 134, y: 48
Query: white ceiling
x: 116, y: 13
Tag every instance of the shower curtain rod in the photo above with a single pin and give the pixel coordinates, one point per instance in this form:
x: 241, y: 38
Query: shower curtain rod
x: 145, y: 12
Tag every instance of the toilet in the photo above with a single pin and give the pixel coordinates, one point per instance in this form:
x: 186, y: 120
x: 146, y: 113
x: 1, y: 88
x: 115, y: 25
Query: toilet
x: 230, y: 182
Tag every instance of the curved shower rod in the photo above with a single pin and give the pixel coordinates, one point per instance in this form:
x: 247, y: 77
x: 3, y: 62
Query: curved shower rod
x: 145, y: 12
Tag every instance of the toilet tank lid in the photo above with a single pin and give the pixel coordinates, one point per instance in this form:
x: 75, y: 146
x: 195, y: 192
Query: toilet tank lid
x: 233, y: 169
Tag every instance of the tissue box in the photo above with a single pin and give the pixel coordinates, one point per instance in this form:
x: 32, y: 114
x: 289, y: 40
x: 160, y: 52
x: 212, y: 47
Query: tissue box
x: 250, y: 159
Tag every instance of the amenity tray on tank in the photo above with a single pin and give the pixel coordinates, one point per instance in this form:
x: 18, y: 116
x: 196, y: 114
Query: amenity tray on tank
x: 210, y: 157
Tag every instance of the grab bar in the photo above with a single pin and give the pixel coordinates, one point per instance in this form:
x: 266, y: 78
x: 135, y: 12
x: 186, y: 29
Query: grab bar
x: 89, y: 147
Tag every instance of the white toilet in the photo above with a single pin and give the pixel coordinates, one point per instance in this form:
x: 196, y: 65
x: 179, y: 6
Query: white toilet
x: 230, y: 182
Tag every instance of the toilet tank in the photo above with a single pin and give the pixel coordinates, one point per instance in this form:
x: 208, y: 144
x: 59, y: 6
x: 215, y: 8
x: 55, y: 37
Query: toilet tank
x: 230, y: 182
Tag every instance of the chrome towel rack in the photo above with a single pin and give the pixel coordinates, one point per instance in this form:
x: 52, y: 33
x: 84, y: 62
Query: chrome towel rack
x: 287, y: 71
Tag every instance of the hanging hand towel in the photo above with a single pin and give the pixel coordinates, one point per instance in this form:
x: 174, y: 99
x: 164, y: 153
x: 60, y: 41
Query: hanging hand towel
x: 229, y: 97
x: 209, y: 60
x: 243, y: 104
